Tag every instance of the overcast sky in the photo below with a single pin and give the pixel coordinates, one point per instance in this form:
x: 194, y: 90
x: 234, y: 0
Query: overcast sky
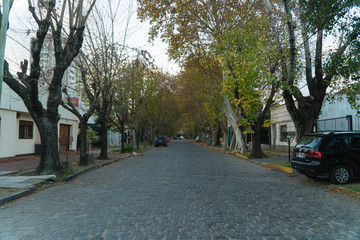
x: 21, y: 29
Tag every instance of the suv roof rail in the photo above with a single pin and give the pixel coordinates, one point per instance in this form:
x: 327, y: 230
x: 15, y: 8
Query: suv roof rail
x: 336, y: 131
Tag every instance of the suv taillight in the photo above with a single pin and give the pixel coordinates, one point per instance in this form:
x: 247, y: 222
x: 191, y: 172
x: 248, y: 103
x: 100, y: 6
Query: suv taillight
x: 316, y: 154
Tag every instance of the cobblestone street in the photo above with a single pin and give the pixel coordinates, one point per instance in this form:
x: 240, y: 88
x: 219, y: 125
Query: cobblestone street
x: 183, y: 191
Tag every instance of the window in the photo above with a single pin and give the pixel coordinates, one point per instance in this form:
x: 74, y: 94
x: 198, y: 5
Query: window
x: 355, y: 142
x: 311, y: 141
x: 283, y: 133
x: 25, y: 130
x: 335, y: 143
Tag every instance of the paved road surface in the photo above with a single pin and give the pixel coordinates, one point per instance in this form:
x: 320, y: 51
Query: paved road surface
x: 183, y: 192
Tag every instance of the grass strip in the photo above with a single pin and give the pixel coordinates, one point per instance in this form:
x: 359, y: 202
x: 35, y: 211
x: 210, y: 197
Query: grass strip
x: 284, y: 164
x: 354, y: 188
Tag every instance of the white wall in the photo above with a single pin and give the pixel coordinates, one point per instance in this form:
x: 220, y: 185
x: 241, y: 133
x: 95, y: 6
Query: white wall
x: 11, y: 145
x: 11, y: 101
x: 336, y: 109
x: 25, y: 146
x: 280, y: 117
x: 7, y: 135
x: 114, y: 138
x: 339, y: 109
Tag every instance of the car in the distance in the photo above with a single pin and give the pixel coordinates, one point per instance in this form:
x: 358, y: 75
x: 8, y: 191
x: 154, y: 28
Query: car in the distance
x: 335, y: 155
x: 160, y: 141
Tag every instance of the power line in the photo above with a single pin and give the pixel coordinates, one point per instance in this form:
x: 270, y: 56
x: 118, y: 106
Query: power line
x: 21, y: 44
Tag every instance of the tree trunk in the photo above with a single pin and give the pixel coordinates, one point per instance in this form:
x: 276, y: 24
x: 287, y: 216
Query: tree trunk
x: 137, y: 138
x: 305, y: 116
x: 304, y: 127
x: 233, y: 120
x: 225, y: 139
x: 104, y: 142
x: 218, y: 136
x: 122, y: 130
x: 83, y: 146
x: 152, y: 137
x: 256, y: 151
x: 49, y: 161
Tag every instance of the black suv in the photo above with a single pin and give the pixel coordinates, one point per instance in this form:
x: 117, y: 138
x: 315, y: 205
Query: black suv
x: 335, y: 155
x: 160, y: 141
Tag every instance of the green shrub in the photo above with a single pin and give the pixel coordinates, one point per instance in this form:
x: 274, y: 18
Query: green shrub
x: 91, y: 136
x: 128, y: 148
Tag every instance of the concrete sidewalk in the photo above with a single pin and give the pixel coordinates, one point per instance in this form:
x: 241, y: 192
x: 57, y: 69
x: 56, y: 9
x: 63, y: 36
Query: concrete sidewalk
x: 21, y: 182
x: 24, y: 162
x: 268, y: 162
x: 10, y: 169
x: 283, y: 158
x: 14, y: 184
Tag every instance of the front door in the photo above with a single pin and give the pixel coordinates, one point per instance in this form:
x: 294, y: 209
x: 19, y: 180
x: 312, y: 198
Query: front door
x: 64, y: 138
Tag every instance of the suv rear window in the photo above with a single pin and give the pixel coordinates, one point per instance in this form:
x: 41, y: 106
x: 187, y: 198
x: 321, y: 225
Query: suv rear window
x: 310, y: 141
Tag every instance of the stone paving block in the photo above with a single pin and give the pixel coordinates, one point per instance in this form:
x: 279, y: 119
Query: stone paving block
x: 183, y: 192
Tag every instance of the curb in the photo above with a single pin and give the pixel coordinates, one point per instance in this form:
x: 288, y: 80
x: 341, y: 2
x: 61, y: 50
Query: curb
x: 241, y: 156
x: 285, y: 169
x: 93, y: 167
x: 343, y: 190
x: 29, y: 191
x: 335, y: 188
x: 17, y: 195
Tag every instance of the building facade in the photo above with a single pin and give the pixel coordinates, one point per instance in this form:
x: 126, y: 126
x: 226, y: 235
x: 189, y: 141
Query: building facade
x: 18, y: 132
x: 338, y: 116
x: 281, y: 125
x: 335, y: 116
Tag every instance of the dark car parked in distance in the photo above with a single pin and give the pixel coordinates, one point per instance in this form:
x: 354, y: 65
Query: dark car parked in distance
x: 335, y: 155
x: 160, y: 141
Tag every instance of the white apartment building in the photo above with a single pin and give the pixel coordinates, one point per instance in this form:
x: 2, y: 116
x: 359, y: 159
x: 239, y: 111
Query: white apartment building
x: 18, y: 132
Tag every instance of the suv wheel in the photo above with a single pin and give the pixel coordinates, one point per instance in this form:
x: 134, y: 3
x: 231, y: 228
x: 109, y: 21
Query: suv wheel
x: 340, y: 175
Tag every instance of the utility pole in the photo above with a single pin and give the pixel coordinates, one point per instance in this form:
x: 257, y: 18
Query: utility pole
x: 4, y: 25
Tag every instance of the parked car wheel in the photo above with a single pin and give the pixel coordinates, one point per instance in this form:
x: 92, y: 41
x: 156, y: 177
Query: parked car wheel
x: 340, y: 175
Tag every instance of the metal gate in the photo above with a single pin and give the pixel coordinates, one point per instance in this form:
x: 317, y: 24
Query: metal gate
x: 347, y: 123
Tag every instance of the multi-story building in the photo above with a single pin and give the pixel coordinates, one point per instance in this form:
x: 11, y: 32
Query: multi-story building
x: 18, y: 132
